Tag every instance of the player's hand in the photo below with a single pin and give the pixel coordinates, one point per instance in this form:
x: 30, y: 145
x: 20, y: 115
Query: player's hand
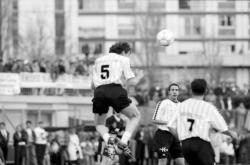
x: 234, y: 136
x: 139, y: 73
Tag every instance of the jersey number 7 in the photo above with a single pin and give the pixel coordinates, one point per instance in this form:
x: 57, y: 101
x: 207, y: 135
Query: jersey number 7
x: 105, y: 71
x: 191, y: 124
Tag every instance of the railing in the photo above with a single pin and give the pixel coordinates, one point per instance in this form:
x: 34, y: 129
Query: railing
x: 44, y: 84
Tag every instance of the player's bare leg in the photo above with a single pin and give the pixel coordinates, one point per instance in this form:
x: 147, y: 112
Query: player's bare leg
x: 109, y: 150
x: 162, y: 161
x: 134, y: 117
x: 179, y: 161
x: 100, y: 126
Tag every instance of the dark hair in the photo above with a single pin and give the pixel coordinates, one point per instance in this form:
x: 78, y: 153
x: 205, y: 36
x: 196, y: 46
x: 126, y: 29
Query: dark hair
x: 28, y: 122
x: 169, y: 87
x: 2, y: 123
x: 173, y: 84
x: 199, y: 87
x: 119, y: 47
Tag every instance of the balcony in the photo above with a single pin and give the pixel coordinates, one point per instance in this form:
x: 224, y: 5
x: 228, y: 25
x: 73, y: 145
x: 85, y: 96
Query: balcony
x: 190, y: 60
x: 198, y: 60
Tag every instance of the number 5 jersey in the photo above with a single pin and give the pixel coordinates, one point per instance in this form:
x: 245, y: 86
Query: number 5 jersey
x: 111, y: 69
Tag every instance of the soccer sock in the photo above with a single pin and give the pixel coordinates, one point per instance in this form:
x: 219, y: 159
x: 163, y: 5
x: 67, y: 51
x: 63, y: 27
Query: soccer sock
x: 106, y: 137
x: 125, y: 137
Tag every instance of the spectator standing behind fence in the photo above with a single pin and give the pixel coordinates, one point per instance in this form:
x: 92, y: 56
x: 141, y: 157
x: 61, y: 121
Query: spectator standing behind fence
x: 116, y: 125
x: 1, y: 65
x: 240, y: 117
x: 4, y: 140
x: 140, y: 145
x: 8, y: 65
x: 40, y: 142
x: 55, y: 151
x: 20, y: 140
x: 74, y: 149
x: 30, y: 151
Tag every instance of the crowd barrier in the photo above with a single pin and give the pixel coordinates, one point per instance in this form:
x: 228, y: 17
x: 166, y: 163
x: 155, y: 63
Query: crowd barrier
x: 12, y: 83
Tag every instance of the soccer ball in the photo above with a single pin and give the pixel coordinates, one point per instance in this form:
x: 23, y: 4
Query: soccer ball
x: 165, y: 37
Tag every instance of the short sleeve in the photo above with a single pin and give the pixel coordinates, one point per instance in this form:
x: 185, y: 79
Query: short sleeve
x: 217, y: 121
x: 160, y: 110
x: 173, y: 121
x: 128, y: 73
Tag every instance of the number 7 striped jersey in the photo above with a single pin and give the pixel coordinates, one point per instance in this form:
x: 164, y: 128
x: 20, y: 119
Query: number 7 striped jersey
x: 110, y: 69
x: 196, y: 118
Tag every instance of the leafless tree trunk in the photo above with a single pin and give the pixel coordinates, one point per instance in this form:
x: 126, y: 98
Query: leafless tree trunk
x: 1, y: 54
x: 213, y: 61
x: 148, y: 26
x: 6, y: 16
x: 34, y: 43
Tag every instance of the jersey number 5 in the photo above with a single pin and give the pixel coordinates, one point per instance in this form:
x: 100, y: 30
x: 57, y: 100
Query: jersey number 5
x: 191, y: 123
x: 105, y: 71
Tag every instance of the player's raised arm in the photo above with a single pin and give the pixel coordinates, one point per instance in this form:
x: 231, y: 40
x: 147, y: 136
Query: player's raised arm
x: 130, y: 76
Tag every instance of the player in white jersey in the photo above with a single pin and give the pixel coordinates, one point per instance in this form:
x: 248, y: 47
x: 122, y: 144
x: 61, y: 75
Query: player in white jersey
x: 108, y: 73
x: 164, y: 141
x: 194, y: 120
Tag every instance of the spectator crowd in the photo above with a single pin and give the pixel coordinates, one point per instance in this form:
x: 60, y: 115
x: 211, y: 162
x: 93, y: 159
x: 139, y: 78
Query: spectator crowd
x: 75, y: 66
x: 36, y: 146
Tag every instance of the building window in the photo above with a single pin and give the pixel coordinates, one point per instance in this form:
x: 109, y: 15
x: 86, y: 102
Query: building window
x: 156, y: 5
x: 59, y: 27
x: 91, y: 5
x: 15, y: 26
x: 91, y: 48
x: 125, y: 30
x: 226, y: 5
x: 227, y: 48
x: 60, y: 33
x: 126, y: 4
x: 126, y: 26
x: 191, y: 4
x: 59, y: 4
x: 80, y: 4
x: 33, y: 116
x: 37, y: 115
x: 192, y: 25
x: 226, y: 20
x: 226, y: 25
x: 184, y: 4
x: 249, y: 25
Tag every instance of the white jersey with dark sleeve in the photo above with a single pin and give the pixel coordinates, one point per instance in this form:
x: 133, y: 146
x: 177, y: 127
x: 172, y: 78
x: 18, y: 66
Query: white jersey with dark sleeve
x: 111, y: 68
x: 165, y: 111
x: 196, y: 118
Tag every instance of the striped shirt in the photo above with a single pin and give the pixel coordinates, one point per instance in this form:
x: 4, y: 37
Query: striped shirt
x: 165, y: 110
x: 110, y: 69
x: 195, y: 118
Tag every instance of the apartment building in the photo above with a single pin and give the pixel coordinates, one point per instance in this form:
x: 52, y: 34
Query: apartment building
x: 209, y: 34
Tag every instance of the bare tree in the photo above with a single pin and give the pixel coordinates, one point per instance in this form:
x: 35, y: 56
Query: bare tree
x: 34, y: 43
x: 6, y: 26
x: 148, y: 26
x: 212, y: 61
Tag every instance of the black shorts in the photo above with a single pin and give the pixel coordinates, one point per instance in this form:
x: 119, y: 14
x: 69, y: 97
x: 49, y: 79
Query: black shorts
x: 166, y: 143
x: 198, y: 151
x: 113, y: 95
